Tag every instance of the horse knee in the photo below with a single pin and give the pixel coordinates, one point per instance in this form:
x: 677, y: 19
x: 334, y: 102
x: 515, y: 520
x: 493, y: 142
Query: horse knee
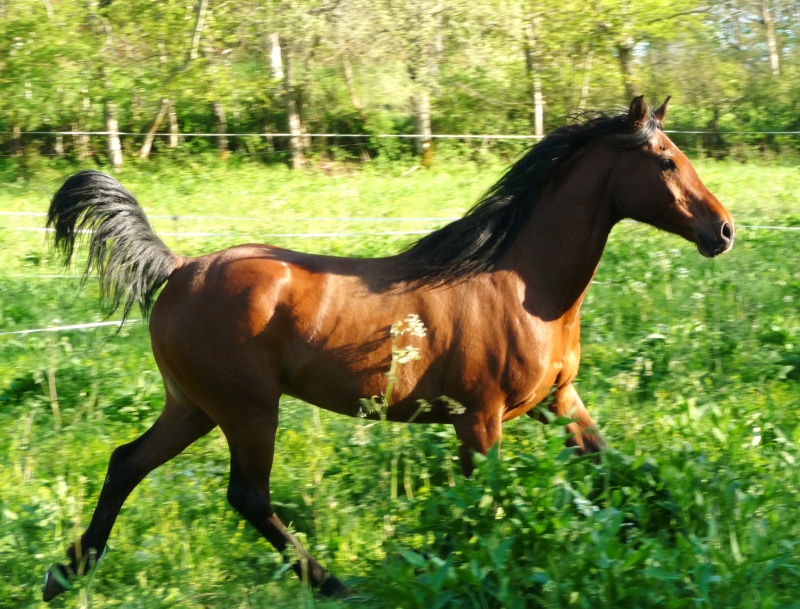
x: 237, y: 497
x: 248, y: 501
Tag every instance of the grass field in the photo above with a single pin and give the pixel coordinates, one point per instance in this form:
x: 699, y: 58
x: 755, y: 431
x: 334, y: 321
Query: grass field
x: 690, y: 366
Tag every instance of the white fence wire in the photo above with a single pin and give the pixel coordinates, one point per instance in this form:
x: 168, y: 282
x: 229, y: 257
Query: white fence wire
x: 92, y: 326
x: 461, y: 136
x: 300, y: 235
x: 87, y: 326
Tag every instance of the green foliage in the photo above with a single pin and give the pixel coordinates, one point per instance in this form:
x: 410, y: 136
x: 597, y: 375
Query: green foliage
x: 690, y: 366
x: 356, y: 64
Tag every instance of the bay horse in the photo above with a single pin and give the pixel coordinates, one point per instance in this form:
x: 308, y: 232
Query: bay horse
x: 498, y: 290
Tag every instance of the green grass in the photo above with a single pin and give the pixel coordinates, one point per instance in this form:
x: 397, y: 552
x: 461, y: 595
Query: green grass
x: 690, y: 366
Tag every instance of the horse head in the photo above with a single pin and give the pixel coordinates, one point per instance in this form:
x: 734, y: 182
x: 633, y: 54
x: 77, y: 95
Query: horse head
x: 656, y: 183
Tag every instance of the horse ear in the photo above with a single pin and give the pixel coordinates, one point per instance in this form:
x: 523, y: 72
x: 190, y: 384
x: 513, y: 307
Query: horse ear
x: 637, y: 114
x: 661, y: 113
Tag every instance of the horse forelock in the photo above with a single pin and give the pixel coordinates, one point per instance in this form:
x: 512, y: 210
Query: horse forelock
x: 474, y: 243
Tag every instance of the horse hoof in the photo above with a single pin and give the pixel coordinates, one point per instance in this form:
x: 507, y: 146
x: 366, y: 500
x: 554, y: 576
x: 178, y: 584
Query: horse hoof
x: 333, y: 588
x: 54, y: 581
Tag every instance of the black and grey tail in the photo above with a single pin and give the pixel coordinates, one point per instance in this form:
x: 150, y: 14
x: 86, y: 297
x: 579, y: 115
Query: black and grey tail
x: 127, y: 255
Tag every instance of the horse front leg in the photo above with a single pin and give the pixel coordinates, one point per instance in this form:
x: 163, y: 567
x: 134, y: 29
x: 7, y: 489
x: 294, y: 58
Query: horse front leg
x: 477, y: 431
x: 583, y: 431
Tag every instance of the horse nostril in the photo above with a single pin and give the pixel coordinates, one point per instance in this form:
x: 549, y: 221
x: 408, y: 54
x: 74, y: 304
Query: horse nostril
x: 727, y: 231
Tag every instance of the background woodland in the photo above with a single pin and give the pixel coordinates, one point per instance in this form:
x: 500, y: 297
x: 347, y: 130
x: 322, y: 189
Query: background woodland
x: 163, y: 70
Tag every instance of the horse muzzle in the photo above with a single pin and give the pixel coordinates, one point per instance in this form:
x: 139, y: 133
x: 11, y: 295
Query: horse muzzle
x: 716, y: 241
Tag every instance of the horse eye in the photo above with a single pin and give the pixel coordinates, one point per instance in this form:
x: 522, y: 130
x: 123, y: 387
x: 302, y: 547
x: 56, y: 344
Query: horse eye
x: 667, y: 164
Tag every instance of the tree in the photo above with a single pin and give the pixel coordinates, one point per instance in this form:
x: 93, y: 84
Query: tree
x: 366, y: 66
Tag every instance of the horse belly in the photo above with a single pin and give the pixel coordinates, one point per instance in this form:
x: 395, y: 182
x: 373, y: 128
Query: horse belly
x: 359, y: 386
x: 329, y: 386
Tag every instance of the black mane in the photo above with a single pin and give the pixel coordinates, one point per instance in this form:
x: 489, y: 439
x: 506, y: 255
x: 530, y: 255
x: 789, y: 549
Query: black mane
x: 474, y: 243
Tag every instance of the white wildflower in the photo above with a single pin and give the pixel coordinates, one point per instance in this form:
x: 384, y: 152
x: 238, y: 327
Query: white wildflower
x: 403, y: 355
x: 411, y: 325
x: 454, y: 407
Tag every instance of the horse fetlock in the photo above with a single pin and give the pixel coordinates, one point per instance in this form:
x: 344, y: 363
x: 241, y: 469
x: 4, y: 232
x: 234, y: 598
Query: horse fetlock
x: 333, y: 588
x: 313, y: 574
x: 59, y: 578
x: 592, y: 441
x: 587, y: 441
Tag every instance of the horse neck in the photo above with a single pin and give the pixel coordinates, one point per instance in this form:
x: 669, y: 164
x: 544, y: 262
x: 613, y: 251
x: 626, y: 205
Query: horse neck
x: 559, y: 248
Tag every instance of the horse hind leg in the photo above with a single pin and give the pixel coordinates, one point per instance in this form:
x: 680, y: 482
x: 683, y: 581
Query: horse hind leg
x: 178, y: 426
x: 252, y: 445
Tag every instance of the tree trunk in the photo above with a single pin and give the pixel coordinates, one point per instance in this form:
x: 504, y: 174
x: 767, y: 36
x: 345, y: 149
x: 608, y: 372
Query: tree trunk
x: 113, y: 144
x: 112, y: 127
x: 347, y: 68
x: 772, y: 38
x: 269, y: 140
x: 101, y: 27
x: 347, y: 71
x: 534, y: 68
x: 283, y: 73
x: 16, y: 140
x: 295, y: 128
x: 276, y: 58
x: 712, y: 140
x: 293, y: 114
x: 422, y: 118
x: 55, y: 146
x: 174, y: 133
x: 625, y: 56
x: 147, y: 145
x: 587, y: 72
x: 221, y: 124
x: 349, y: 80
x: 198, y: 29
x: 82, y: 144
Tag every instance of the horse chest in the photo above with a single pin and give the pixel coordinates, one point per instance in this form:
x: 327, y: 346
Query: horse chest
x: 539, y: 358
